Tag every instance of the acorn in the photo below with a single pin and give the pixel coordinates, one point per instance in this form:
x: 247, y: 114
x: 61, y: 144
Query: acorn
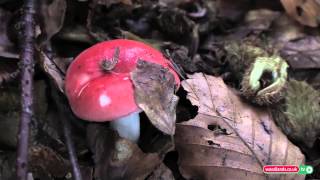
x: 300, y: 119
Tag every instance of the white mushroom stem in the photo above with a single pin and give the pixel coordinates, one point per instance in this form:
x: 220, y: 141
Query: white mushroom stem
x: 128, y: 126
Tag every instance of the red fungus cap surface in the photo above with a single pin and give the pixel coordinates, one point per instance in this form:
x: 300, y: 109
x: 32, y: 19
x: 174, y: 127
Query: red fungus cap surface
x: 97, y: 95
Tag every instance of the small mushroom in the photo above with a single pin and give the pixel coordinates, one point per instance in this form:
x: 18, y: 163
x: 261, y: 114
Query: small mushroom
x: 99, y: 87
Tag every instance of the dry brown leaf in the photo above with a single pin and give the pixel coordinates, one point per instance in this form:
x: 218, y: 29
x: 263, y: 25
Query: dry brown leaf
x: 52, y: 15
x: 9, y: 70
x: 154, y: 89
x: 229, y: 139
x: 118, y: 158
x: 261, y: 19
x: 51, y: 68
x: 45, y: 162
x: 284, y: 30
x: 108, y: 3
x: 303, y: 53
x: 306, y: 12
x: 7, y: 48
x: 161, y: 173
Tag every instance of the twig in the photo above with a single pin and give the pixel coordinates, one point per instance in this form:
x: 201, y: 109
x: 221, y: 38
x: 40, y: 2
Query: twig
x: 27, y: 71
x: 67, y: 135
x: 72, y: 155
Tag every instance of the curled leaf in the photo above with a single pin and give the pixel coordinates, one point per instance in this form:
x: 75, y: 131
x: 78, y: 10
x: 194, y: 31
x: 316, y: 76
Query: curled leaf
x: 154, y: 94
x: 52, y: 70
x: 52, y: 15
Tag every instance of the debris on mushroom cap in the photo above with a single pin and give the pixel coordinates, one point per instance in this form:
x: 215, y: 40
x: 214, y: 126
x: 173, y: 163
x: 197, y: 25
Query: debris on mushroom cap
x: 96, y: 94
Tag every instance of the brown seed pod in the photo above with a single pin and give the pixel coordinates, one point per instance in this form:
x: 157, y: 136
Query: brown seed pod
x: 265, y: 80
x: 299, y: 118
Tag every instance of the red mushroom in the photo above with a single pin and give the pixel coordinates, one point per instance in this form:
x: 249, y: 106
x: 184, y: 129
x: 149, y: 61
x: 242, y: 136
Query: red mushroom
x: 99, y: 88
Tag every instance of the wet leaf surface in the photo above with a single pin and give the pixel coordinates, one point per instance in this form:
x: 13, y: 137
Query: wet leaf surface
x: 229, y: 138
x: 154, y: 93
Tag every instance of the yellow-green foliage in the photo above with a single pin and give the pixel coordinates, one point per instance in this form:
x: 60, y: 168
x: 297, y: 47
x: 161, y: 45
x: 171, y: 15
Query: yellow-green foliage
x: 303, y: 112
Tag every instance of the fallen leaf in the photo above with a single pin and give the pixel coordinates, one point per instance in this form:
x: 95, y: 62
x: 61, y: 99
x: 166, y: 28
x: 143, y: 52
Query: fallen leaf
x: 9, y: 70
x: 7, y: 48
x: 228, y: 138
x: 116, y: 157
x: 306, y: 12
x: 284, y: 30
x: 161, y: 173
x: 154, y: 93
x: 7, y: 168
x: 261, y: 19
x: 51, y: 68
x: 45, y: 162
x: 52, y: 14
x: 303, y: 53
x: 232, y: 10
x: 108, y: 3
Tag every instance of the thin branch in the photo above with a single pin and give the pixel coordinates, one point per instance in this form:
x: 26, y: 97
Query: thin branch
x: 27, y: 71
x: 72, y: 154
x: 67, y: 135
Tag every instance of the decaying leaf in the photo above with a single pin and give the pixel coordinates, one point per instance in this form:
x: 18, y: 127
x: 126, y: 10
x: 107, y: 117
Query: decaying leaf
x: 46, y: 163
x: 154, y: 94
x: 118, y: 158
x: 9, y: 70
x: 7, y: 48
x: 108, y: 3
x: 52, y: 16
x: 306, y: 12
x: 229, y: 139
x: 161, y: 173
x: 52, y: 70
x: 7, y: 160
x: 284, y: 30
x: 303, y: 53
x: 260, y: 20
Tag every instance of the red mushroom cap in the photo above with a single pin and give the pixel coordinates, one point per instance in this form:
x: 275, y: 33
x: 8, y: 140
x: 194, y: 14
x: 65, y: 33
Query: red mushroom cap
x: 97, y: 95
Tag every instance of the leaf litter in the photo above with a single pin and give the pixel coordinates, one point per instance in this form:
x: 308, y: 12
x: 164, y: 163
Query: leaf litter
x: 229, y: 138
